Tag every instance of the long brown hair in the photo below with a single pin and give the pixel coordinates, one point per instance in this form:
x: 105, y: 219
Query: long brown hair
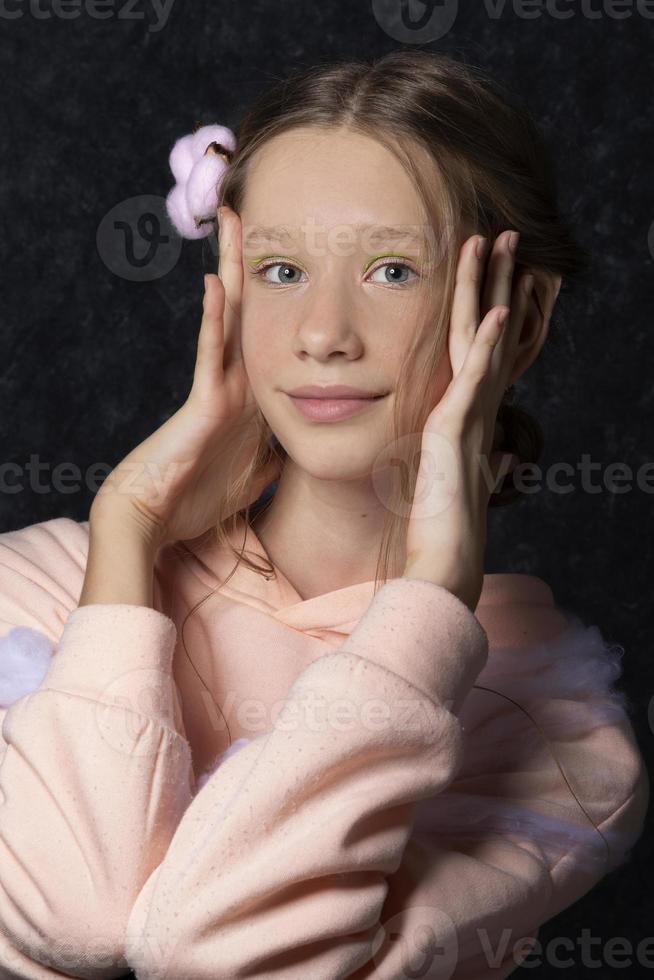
x: 479, y: 165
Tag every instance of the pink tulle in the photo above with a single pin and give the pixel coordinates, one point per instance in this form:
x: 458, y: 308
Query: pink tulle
x: 567, y: 687
x: 25, y: 654
x: 470, y: 816
x: 568, y: 681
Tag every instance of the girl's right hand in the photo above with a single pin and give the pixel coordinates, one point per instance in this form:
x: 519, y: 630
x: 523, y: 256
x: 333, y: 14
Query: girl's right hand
x: 446, y: 532
x: 171, y: 484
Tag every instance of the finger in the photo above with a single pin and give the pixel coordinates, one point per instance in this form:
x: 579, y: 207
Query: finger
x: 503, y: 356
x: 464, y: 320
x: 231, y: 275
x: 475, y: 370
x: 499, y: 277
x: 210, y: 349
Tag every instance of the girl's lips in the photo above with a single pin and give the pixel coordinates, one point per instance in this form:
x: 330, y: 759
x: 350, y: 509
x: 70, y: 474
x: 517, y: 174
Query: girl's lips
x: 332, y: 409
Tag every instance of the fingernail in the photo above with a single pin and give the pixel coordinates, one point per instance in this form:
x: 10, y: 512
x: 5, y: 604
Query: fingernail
x: 482, y: 247
x: 514, y: 238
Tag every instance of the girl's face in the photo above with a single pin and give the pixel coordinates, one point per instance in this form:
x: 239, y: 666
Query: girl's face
x: 329, y: 293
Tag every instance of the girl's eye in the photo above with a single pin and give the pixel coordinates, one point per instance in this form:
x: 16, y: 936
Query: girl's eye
x: 286, y: 268
x: 393, y: 270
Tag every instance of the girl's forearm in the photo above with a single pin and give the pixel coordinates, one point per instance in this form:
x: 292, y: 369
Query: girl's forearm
x: 120, y: 565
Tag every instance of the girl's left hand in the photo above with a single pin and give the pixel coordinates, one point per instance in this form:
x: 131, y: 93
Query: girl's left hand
x: 446, y: 532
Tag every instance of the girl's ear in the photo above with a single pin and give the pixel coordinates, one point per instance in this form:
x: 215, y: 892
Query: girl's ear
x: 536, y: 323
x: 547, y: 286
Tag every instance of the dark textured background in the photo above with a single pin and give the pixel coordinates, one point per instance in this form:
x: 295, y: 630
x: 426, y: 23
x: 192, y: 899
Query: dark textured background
x: 94, y: 361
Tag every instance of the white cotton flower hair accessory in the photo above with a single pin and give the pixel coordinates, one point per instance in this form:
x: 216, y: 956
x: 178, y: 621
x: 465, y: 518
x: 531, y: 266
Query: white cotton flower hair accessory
x: 25, y: 655
x: 199, y: 162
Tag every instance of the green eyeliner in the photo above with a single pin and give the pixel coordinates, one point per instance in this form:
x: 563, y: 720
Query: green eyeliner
x: 386, y: 255
x: 264, y: 257
x: 382, y: 255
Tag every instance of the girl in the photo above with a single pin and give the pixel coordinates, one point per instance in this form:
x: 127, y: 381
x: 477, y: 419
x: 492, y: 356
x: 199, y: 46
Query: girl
x: 248, y: 758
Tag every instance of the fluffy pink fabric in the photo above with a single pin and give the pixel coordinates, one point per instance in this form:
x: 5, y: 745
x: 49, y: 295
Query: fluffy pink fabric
x: 25, y: 654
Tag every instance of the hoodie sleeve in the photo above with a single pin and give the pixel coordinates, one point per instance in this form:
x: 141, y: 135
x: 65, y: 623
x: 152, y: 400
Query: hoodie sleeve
x: 280, y: 867
x: 551, y: 796
x: 94, y: 776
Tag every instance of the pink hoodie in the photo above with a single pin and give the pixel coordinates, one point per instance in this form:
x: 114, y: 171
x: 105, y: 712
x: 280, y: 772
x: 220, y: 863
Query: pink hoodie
x: 397, y: 799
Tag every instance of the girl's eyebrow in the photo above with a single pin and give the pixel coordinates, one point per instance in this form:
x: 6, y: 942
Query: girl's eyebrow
x: 286, y: 235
